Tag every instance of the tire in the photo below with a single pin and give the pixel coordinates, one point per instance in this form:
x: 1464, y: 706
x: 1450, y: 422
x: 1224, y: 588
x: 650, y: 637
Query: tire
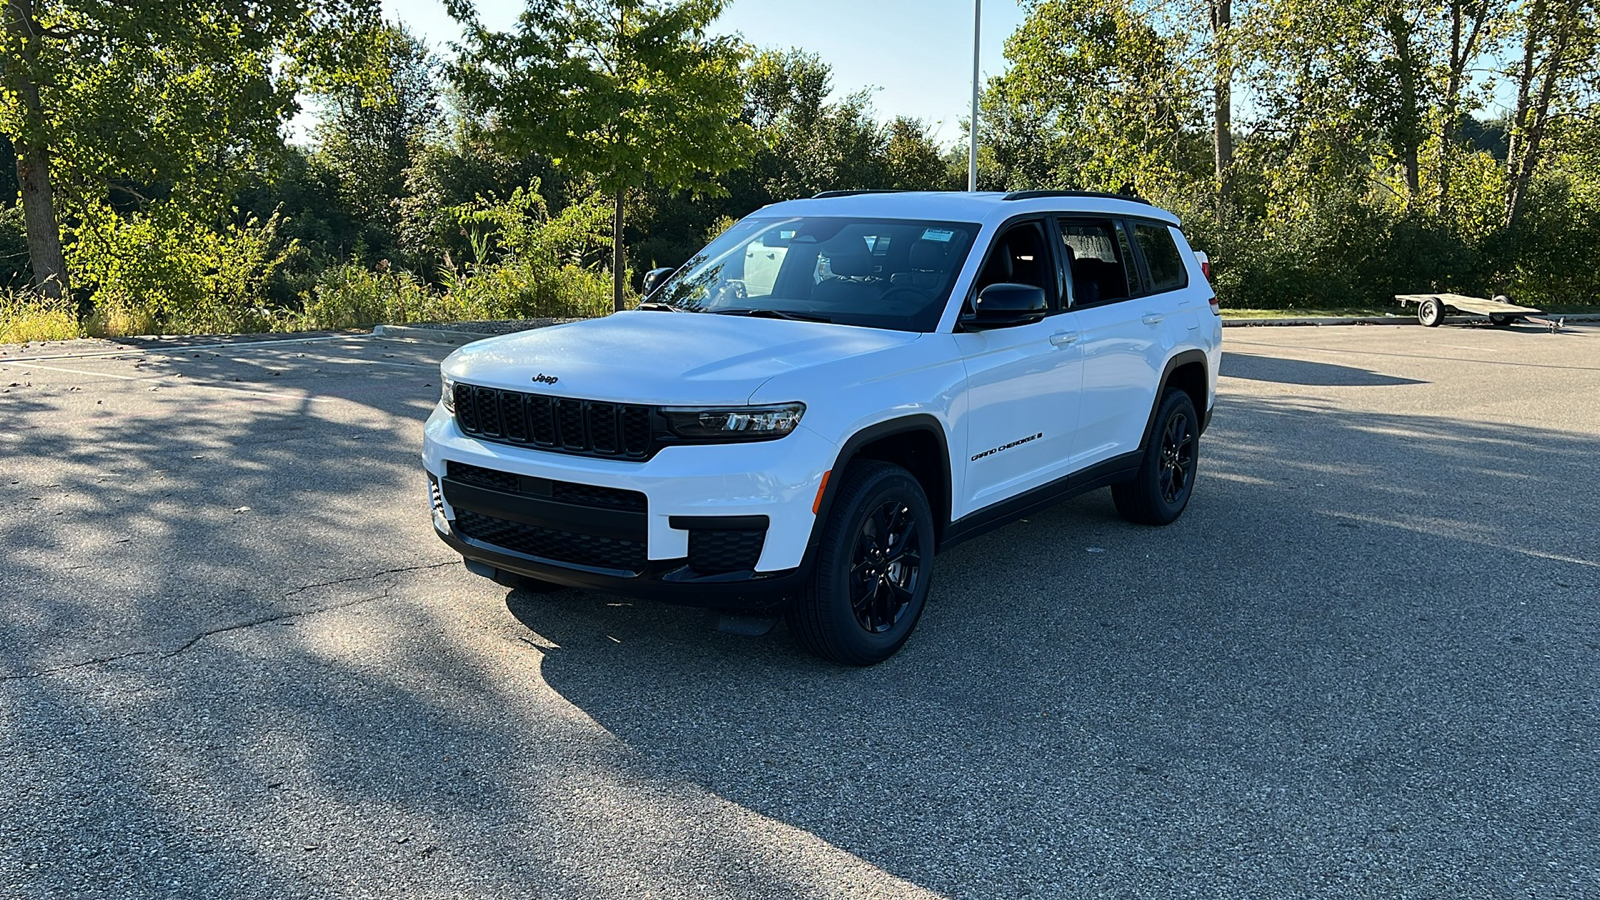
x: 1430, y: 312
x: 874, y: 560
x: 1502, y: 321
x: 1160, y: 491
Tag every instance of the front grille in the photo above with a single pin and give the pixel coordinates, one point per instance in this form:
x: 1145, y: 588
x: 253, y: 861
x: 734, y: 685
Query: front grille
x: 560, y: 546
x: 715, y: 552
x: 586, y: 427
x: 478, y: 475
x: 565, y: 491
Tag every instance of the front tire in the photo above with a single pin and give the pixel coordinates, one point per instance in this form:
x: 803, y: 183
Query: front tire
x: 1160, y: 491
x: 1430, y: 312
x: 874, y: 562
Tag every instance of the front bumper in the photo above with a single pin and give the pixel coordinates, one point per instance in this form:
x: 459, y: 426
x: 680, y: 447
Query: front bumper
x: 679, y: 490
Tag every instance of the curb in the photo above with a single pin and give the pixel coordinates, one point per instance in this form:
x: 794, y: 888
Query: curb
x: 429, y: 335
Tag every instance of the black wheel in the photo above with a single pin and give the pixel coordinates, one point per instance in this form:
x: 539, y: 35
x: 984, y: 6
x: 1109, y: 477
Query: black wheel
x: 872, y: 568
x: 1430, y: 312
x: 1502, y: 321
x: 1161, y: 489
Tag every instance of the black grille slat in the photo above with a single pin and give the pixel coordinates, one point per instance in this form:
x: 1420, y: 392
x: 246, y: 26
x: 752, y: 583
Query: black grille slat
x: 487, y: 402
x: 569, y: 419
x: 489, y: 478
x: 541, y: 420
x: 466, y: 408
x: 559, y: 546
x: 586, y: 427
x: 515, y: 410
x: 565, y: 491
x: 603, y: 428
x: 636, y: 431
x: 716, y: 552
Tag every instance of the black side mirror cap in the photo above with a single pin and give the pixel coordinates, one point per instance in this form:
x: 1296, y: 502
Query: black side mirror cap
x: 653, y: 279
x: 1004, y: 305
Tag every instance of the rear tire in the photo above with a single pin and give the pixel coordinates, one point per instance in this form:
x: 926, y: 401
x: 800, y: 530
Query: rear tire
x: 1430, y: 312
x: 1158, y: 494
x: 874, y: 561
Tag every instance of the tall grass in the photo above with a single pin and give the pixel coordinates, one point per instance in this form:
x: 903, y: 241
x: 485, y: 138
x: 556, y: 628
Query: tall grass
x: 26, y: 316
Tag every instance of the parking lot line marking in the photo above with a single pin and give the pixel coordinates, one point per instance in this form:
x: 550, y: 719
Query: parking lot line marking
x: 125, y: 351
x: 196, y: 384
x: 1443, y: 533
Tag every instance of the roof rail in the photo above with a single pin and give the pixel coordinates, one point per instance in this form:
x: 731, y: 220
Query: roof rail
x: 854, y: 193
x: 1031, y: 195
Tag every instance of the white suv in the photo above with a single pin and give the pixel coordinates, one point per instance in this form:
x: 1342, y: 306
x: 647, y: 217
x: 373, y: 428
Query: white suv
x: 834, y: 390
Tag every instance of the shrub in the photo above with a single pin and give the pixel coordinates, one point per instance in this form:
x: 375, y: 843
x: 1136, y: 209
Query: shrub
x: 163, y: 269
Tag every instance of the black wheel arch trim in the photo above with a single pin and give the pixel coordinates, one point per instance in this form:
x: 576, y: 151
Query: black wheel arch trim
x: 917, y: 422
x: 1179, y: 360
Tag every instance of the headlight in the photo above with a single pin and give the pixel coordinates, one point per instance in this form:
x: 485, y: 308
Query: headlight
x: 448, y: 393
x: 739, y: 423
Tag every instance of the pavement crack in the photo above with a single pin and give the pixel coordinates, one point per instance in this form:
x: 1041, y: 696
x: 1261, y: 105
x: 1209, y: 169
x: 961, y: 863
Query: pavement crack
x: 240, y: 626
x: 368, y: 576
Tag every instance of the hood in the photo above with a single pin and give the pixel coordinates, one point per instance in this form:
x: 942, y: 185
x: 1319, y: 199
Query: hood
x: 661, y: 358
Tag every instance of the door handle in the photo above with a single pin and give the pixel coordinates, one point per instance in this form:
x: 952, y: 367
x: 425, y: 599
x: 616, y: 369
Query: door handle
x: 1153, y: 318
x: 1063, y: 338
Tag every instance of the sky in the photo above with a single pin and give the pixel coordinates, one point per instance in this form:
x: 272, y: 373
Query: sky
x: 916, y: 53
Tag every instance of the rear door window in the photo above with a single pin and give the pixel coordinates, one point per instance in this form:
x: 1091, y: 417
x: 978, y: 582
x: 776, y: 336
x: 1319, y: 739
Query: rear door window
x: 1100, y: 260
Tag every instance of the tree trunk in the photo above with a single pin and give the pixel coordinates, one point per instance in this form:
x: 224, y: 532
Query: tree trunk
x: 39, y: 218
x: 617, y: 275
x: 1222, y: 122
x: 1533, y: 104
x: 1405, y: 133
x: 33, y: 155
x: 1463, y: 48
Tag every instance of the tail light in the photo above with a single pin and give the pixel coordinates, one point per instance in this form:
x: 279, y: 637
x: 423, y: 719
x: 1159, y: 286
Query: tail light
x: 1205, y: 269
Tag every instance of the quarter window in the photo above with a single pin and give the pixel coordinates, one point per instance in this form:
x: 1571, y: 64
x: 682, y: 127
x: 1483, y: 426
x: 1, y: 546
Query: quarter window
x: 1167, y: 272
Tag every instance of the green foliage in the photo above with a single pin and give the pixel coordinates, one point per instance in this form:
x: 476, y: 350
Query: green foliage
x: 181, y: 95
x: 619, y: 89
x: 524, y: 263
x: 175, y: 272
x: 371, y: 134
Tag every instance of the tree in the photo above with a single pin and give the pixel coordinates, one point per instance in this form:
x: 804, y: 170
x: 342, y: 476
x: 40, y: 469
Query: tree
x: 181, y: 94
x: 371, y: 133
x: 1113, y: 87
x: 1560, y: 42
x: 622, y: 89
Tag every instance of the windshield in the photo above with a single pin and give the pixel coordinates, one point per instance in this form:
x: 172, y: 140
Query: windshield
x: 879, y: 273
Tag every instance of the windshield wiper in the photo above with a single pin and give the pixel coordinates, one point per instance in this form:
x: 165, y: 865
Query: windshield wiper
x: 658, y: 305
x: 773, y: 314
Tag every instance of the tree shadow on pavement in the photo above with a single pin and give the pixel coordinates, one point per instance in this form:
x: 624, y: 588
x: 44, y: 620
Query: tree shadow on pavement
x: 1303, y: 372
x: 1363, y: 661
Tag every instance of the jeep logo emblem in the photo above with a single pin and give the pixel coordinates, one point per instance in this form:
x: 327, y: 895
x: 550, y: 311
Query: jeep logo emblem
x: 542, y: 378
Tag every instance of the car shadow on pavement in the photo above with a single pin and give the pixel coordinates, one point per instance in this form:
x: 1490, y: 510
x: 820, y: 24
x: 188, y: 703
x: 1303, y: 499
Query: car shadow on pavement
x: 1303, y: 372
x: 1362, y: 660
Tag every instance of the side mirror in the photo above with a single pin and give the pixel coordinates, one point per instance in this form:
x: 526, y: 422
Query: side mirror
x: 653, y: 279
x: 1004, y: 305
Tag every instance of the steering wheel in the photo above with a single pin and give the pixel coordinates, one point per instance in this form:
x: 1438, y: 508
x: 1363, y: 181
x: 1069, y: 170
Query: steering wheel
x: 733, y: 291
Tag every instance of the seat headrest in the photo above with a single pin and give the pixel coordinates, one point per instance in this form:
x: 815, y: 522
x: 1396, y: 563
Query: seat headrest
x: 849, y: 258
x: 927, y: 255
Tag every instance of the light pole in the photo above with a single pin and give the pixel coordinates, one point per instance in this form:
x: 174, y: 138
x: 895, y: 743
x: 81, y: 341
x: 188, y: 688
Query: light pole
x: 972, y: 149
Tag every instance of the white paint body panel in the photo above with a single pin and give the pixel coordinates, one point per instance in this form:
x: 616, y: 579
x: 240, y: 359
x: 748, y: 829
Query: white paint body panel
x: 1088, y: 398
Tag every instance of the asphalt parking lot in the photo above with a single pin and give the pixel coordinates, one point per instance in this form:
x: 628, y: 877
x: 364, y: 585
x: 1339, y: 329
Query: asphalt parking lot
x: 235, y: 662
